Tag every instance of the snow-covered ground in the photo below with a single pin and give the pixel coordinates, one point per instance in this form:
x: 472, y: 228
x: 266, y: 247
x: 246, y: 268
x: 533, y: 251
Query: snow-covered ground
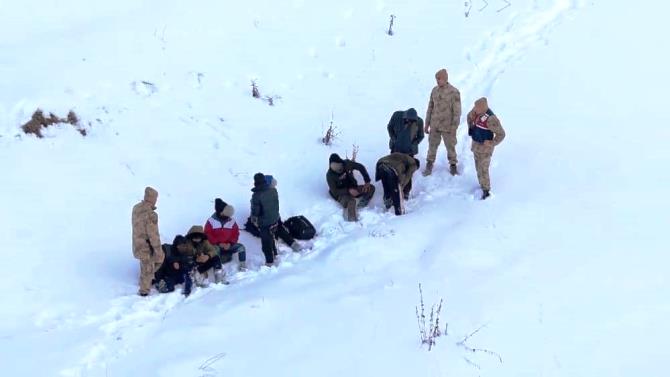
x: 564, y: 270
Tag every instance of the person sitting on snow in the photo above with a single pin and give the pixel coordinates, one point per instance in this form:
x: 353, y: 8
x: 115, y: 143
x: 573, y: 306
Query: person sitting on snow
x: 206, y: 257
x: 222, y: 231
x: 344, y: 188
x: 177, y: 266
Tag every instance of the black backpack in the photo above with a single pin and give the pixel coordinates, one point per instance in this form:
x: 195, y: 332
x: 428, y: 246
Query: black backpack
x: 300, y: 228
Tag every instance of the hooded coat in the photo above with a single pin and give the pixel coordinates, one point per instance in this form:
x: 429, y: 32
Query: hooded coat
x: 146, y: 239
x: 202, y: 247
x: 264, y: 202
x: 405, y: 131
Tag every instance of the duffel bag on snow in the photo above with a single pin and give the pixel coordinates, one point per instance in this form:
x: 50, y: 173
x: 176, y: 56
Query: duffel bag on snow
x: 300, y: 228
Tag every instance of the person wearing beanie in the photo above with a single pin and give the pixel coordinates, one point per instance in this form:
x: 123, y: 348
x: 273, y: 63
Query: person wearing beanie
x: 146, y: 239
x: 405, y: 131
x: 343, y: 186
x: 223, y: 232
x: 486, y: 131
x: 177, y: 267
x: 442, y: 119
x: 395, y: 171
x: 282, y: 232
x: 265, y: 215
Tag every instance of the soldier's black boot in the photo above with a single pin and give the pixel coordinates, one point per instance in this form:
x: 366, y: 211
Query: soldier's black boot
x: 485, y: 194
x: 453, y: 170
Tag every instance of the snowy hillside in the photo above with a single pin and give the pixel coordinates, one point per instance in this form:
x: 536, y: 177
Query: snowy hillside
x: 563, y: 271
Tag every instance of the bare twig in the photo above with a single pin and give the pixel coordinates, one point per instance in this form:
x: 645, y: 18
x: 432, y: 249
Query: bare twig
x: 468, y: 6
x: 505, y: 7
x: 486, y: 5
x: 207, y: 365
x: 390, y: 31
x: 254, y: 90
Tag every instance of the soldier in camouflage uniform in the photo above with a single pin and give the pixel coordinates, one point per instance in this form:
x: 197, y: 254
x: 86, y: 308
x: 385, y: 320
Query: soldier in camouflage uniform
x: 442, y: 120
x: 146, y: 240
x: 486, y: 131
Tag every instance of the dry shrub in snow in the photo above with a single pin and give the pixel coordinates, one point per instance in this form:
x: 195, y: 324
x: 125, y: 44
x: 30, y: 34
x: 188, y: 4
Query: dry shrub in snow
x: 429, y: 328
x: 38, y: 122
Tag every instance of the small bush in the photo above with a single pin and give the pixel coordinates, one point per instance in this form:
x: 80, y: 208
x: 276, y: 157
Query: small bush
x: 38, y: 122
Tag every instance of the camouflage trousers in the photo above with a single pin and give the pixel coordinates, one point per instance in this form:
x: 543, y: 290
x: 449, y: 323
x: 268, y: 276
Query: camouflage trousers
x: 482, y: 163
x: 435, y: 138
x: 148, y: 268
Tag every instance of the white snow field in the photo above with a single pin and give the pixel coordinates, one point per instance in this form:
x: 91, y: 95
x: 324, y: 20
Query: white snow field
x: 564, y: 270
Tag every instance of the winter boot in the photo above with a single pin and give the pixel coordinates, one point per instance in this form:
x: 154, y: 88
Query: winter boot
x: 296, y: 247
x: 200, y: 279
x: 220, y: 277
x: 429, y: 169
x: 485, y: 194
x: 453, y: 169
x: 162, y: 286
x: 269, y: 265
x: 242, y: 266
x: 388, y: 203
x: 350, y: 212
x: 362, y: 202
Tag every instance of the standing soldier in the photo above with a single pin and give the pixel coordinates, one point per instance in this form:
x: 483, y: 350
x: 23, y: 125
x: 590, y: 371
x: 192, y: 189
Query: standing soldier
x: 395, y: 171
x: 442, y: 120
x: 265, y: 215
x: 146, y: 240
x: 486, y: 132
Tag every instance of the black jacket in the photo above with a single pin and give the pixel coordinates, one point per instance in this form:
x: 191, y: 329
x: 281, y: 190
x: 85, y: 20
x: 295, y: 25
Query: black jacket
x: 340, y: 183
x: 404, y: 137
x: 265, y: 205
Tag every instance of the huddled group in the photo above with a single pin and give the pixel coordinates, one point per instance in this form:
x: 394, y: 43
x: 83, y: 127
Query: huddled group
x: 199, y: 256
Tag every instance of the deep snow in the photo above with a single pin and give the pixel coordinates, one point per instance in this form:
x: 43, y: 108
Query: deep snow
x: 565, y: 265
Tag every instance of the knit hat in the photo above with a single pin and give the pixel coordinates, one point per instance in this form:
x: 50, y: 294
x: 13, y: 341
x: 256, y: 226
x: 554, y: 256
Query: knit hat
x: 411, y: 114
x: 179, y: 240
x: 259, y: 180
x: 335, y: 158
x: 221, y: 207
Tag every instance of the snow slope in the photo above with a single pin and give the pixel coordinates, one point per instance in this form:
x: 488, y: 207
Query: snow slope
x: 565, y: 265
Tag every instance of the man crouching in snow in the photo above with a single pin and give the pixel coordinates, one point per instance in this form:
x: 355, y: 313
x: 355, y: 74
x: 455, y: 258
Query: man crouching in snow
x: 344, y: 188
x: 222, y: 230
x: 395, y: 171
x: 486, y: 131
x: 177, y: 267
x: 206, y: 257
x: 146, y: 240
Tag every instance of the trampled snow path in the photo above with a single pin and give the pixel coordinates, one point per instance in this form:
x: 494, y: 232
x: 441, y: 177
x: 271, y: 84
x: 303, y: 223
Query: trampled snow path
x: 124, y: 327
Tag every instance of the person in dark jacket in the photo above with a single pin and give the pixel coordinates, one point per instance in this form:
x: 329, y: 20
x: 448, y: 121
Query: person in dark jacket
x: 343, y: 186
x: 265, y: 215
x: 177, y: 267
x: 395, y: 171
x: 282, y: 232
x: 405, y: 132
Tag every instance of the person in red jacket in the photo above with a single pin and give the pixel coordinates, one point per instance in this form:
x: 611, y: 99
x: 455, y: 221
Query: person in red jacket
x: 222, y: 231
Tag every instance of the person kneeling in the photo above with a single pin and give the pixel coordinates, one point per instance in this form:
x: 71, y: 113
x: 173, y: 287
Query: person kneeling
x: 206, y: 257
x: 395, y: 171
x: 177, y: 267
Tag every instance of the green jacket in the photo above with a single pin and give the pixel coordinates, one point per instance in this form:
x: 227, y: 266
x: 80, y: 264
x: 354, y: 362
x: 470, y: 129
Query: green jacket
x: 404, y: 166
x: 340, y: 183
x: 265, y: 205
